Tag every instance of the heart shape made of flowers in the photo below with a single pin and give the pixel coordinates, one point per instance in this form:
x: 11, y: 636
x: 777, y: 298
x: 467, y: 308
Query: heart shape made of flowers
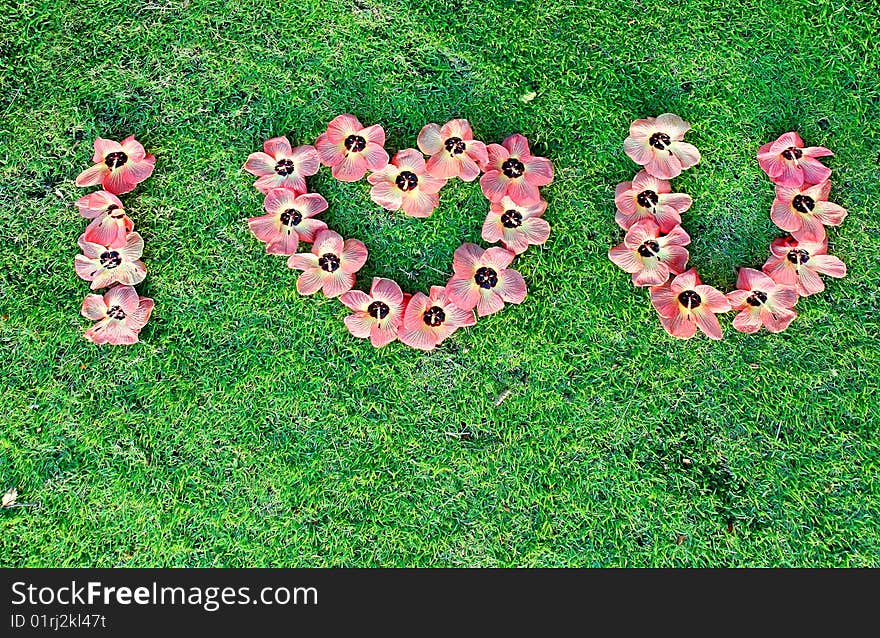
x: 482, y: 280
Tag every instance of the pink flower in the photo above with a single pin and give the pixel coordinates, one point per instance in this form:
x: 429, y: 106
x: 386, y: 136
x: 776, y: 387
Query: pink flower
x: 798, y: 263
x: 351, y: 149
x: 106, y: 265
x: 288, y: 220
x: 684, y: 305
x: 120, y: 313
x: 280, y: 166
x: 761, y: 301
x: 482, y: 279
x: 647, y: 197
x: 428, y: 320
x: 404, y: 184
x: 656, y: 143
x: 788, y: 163
x: 516, y: 227
x: 377, y: 315
x: 119, y: 167
x: 454, y: 151
x: 651, y: 255
x: 804, y: 211
x: 330, y: 266
x: 110, y: 224
x: 511, y: 170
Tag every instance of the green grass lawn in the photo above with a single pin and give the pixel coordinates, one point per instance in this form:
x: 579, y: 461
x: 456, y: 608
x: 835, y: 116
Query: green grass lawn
x: 249, y: 427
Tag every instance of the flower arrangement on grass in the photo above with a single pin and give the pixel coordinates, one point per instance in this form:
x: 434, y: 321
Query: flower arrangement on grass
x: 482, y: 279
x: 653, y: 249
x: 111, y: 250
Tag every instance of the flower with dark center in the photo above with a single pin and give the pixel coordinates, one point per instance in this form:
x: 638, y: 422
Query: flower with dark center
x: 279, y: 165
x: 761, y: 302
x: 377, y: 315
x: 405, y: 185
x: 288, y: 220
x: 804, y: 211
x: 330, y: 266
x: 117, y: 166
x: 429, y: 319
x: 110, y: 225
x: 647, y: 197
x: 685, y: 305
x: 516, y: 227
x: 120, y: 314
x: 105, y: 265
x: 482, y: 279
x: 789, y: 164
x: 657, y: 144
x: 351, y: 149
x: 651, y: 255
x: 511, y: 171
x: 799, y: 262
x: 453, y: 150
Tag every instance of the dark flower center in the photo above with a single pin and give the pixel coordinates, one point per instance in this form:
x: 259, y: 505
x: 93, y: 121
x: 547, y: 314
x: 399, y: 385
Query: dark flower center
x: 110, y: 210
x: 757, y: 298
x: 355, y: 143
x: 486, y: 278
x: 434, y: 316
x: 798, y: 256
x: 647, y: 199
x: 660, y: 141
x: 792, y: 153
x: 328, y: 262
x: 649, y: 249
x: 284, y: 167
x: 406, y: 181
x: 110, y: 259
x: 689, y: 299
x: 803, y: 204
x: 378, y: 310
x: 511, y: 219
x: 291, y: 217
x: 454, y: 146
x: 115, y: 312
x: 115, y: 159
x: 513, y: 168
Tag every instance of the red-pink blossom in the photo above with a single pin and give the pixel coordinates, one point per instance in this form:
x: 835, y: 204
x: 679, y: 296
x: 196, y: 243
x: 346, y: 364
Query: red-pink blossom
x: 789, y: 164
x: 351, y: 149
x: 512, y: 170
x: 279, y: 165
x: 120, y: 315
x: 118, y: 166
